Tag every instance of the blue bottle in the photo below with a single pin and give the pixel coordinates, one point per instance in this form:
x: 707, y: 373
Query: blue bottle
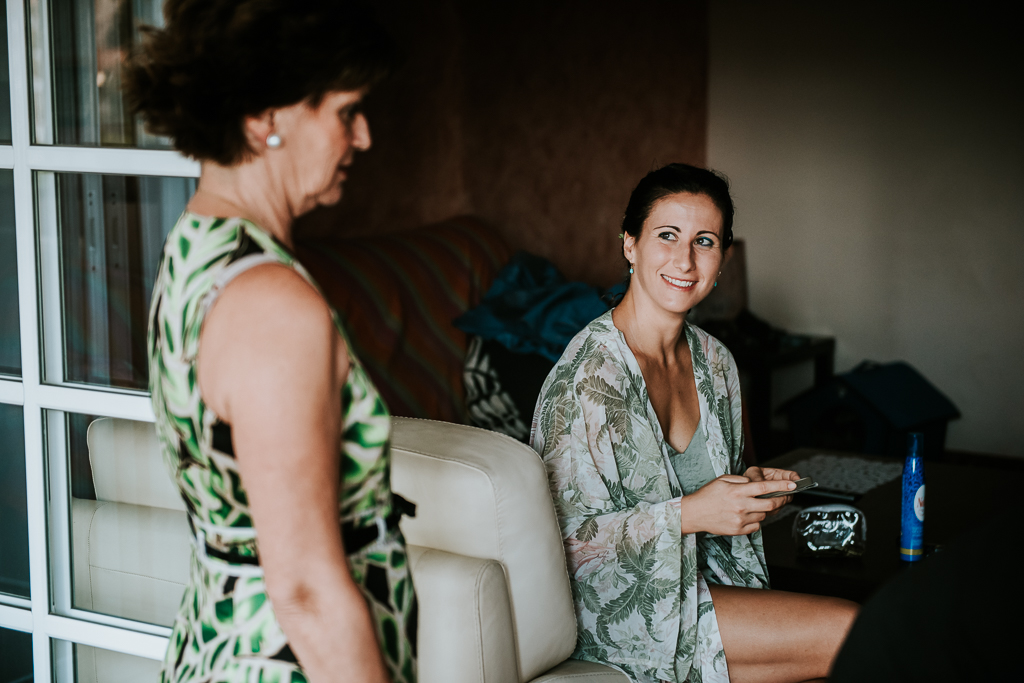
x: 912, y: 530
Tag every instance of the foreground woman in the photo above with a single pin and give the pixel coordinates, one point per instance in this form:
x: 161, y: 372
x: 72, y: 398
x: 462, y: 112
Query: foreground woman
x: 640, y: 427
x: 275, y: 435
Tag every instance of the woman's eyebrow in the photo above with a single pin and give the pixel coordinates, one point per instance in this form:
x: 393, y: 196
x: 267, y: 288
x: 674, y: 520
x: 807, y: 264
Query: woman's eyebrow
x: 668, y: 226
x: 707, y: 232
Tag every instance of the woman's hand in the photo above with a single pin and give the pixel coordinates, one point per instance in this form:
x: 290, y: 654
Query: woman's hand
x: 772, y: 474
x: 727, y: 506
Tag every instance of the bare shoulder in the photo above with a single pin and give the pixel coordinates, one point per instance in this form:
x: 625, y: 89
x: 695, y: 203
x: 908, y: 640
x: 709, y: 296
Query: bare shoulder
x: 273, y: 288
x: 269, y: 327
x: 269, y: 309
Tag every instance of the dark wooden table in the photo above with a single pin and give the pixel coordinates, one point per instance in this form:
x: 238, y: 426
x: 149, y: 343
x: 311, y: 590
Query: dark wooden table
x: 958, y: 499
x: 759, y: 365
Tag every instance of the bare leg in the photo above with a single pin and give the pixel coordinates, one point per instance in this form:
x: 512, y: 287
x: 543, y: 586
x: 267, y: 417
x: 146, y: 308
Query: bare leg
x: 779, y: 637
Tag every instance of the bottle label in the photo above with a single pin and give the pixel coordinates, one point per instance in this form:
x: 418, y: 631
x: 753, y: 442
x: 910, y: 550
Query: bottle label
x: 912, y: 523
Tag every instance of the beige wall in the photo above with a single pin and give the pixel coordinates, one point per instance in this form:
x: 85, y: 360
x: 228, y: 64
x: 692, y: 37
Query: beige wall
x: 877, y: 160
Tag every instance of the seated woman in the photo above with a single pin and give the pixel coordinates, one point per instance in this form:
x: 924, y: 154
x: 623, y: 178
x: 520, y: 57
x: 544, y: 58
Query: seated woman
x: 640, y: 427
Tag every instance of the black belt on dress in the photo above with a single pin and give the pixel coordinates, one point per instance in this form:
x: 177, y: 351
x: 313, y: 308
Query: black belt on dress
x: 357, y: 538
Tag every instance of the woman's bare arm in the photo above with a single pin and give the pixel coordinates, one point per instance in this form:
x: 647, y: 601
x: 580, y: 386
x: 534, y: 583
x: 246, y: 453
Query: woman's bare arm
x: 272, y: 366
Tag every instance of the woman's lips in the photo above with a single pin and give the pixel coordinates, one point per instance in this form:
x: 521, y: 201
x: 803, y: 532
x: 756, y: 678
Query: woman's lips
x: 677, y: 283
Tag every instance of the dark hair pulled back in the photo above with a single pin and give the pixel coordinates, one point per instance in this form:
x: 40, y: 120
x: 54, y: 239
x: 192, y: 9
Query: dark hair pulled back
x: 676, y: 179
x: 219, y: 61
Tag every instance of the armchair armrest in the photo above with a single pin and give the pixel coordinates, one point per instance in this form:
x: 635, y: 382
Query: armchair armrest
x: 464, y: 618
x: 130, y: 560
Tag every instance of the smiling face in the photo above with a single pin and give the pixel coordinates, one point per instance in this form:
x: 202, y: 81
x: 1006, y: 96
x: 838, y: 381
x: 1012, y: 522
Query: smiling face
x: 678, y: 256
x: 317, y: 147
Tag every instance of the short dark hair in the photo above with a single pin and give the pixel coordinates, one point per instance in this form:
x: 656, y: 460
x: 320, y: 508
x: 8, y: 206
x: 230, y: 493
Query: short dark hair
x: 675, y: 179
x: 218, y: 61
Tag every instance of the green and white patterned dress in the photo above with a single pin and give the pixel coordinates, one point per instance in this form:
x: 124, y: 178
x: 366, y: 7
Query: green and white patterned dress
x: 226, y: 630
x: 639, y: 585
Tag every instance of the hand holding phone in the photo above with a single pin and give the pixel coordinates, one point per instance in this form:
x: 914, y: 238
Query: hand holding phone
x: 801, y: 485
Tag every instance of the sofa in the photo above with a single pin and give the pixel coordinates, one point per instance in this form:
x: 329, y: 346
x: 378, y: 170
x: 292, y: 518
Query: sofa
x: 484, y: 546
x: 398, y: 294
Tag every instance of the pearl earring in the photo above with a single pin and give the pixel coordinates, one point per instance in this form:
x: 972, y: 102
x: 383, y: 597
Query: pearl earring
x: 273, y: 141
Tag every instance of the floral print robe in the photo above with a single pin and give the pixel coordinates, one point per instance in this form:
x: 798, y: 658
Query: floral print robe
x: 639, y: 584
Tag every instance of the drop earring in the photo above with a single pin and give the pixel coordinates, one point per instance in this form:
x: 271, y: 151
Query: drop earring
x: 273, y: 141
x: 716, y: 283
x: 630, y: 268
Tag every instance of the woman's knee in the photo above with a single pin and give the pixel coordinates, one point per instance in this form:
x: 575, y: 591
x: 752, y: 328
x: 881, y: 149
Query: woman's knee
x: 837, y: 620
x: 824, y: 623
x: 846, y: 613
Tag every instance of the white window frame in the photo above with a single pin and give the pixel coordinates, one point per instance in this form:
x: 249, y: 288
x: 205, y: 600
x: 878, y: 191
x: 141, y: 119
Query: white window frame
x: 37, y: 266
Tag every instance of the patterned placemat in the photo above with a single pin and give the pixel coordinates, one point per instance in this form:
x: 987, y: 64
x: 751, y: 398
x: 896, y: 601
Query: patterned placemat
x: 848, y: 474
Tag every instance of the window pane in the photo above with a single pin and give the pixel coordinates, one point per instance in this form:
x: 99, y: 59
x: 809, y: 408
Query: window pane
x: 13, y: 509
x: 129, y: 535
x: 112, y: 230
x: 5, y: 84
x: 10, y: 342
x: 89, y: 42
x: 15, y: 656
x: 74, y: 663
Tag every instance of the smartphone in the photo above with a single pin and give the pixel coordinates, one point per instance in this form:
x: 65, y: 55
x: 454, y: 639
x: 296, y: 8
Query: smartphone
x: 801, y: 485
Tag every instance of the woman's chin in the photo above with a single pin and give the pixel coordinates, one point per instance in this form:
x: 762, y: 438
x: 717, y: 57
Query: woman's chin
x: 679, y: 305
x: 672, y: 308
x: 330, y: 197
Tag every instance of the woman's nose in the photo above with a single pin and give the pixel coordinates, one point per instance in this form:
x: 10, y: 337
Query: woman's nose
x: 685, y: 258
x: 361, y: 139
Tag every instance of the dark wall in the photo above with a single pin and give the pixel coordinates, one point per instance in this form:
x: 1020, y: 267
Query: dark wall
x: 539, y: 117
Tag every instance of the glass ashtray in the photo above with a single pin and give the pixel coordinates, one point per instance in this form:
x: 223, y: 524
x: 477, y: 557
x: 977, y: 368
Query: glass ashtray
x: 830, y: 531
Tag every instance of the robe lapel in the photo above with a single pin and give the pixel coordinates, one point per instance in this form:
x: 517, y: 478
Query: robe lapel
x: 710, y: 393
x: 658, y: 450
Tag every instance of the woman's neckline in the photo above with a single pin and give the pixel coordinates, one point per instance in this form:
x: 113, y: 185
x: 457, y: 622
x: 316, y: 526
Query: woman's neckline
x: 693, y: 439
x: 255, y: 226
x: 640, y: 371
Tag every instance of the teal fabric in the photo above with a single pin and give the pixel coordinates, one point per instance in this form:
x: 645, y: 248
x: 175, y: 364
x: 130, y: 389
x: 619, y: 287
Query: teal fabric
x: 693, y: 469
x: 531, y: 308
x: 692, y: 466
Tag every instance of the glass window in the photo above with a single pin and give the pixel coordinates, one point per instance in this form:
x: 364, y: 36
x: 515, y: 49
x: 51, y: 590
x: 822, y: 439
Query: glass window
x: 89, y: 41
x: 15, y: 656
x: 111, y: 232
x: 74, y: 663
x: 13, y: 509
x: 129, y: 537
x: 10, y: 342
x: 5, y: 84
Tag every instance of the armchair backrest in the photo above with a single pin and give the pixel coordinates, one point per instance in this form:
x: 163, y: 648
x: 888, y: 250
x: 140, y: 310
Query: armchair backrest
x: 127, y: 466
x: 482, y: 494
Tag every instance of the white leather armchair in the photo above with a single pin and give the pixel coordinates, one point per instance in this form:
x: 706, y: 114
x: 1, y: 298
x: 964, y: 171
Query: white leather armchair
x: 130, y: 545
x: 485, y: 551
x: 487, y: 559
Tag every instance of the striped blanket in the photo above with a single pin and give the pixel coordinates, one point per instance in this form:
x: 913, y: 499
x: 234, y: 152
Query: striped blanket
x: 398, y: 294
